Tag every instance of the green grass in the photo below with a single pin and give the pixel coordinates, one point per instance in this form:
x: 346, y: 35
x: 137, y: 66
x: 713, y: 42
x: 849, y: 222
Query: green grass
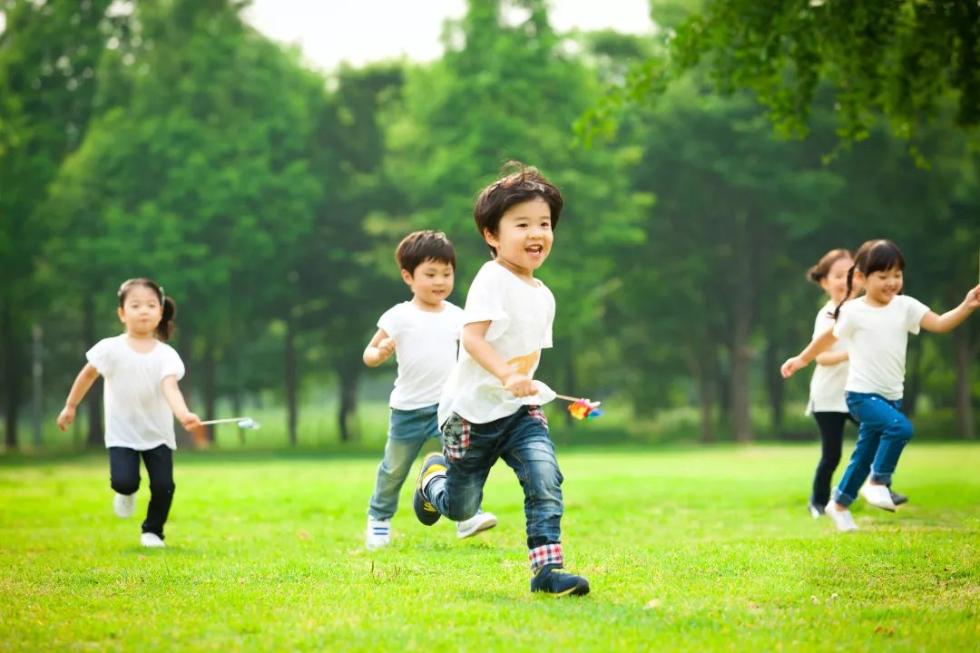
x: 686, y: 549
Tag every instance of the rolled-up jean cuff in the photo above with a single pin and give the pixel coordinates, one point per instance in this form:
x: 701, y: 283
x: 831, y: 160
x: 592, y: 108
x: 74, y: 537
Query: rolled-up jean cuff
x: 842, y: 499
x: 881, y: 479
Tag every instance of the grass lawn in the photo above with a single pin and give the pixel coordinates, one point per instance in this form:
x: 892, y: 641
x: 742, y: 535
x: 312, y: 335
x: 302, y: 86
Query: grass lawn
x: 686, y: 549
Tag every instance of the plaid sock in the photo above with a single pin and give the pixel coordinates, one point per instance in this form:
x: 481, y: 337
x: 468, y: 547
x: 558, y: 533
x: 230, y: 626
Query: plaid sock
x: 547, y: 554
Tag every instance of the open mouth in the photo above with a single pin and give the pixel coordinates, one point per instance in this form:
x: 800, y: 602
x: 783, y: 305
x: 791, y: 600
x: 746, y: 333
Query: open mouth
x: 535, y: 249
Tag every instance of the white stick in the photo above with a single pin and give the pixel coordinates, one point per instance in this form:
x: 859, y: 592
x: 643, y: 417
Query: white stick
x: 574, y: 399
x: 224, y: 421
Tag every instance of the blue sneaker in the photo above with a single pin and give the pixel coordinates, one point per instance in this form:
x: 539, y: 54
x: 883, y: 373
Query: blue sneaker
x: 432, y: 465
x: 550, y: 579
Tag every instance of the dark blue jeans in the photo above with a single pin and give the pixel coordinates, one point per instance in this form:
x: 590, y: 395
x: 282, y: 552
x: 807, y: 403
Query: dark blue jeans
x: 522, y: 441
x: 882, y: 435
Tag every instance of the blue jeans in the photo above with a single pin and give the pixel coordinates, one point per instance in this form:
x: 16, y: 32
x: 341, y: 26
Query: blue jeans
x: 408, y: 431
x: 522, y: 441
x: 882, y: 435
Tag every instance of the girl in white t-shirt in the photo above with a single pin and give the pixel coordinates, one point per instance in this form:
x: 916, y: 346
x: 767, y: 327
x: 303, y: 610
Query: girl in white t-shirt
x: 876, y: 327
x: 141, y: 400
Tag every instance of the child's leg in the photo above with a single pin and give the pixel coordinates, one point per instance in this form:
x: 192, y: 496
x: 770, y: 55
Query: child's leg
x: 470, y: 450
x: 866, y: 409
x: 124, y: 470
x: 407, y: 432
x: 160, y: 468
x: 896, y: 433
x: 528, y: 450
x: 831, y: 440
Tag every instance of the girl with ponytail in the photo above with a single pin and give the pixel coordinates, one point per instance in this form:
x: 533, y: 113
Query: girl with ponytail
x: 141, y: 399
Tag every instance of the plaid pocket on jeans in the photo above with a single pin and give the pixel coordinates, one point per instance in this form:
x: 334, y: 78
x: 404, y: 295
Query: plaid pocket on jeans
x: 455, y: 438
x: 538, y: 414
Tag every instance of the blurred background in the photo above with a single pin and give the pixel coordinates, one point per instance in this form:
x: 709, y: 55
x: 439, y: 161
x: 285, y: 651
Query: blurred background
x: 262, y: 160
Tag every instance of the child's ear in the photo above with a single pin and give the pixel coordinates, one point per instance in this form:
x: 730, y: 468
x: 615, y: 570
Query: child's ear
x: 491, y: 238
x: 119, y: 312
x: 407, y: 276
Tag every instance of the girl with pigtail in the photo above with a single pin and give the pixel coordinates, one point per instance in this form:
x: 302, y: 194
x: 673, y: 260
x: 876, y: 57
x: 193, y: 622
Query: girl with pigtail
x: 142, y: 397
x: 826, y: 403
x: 876, y: 327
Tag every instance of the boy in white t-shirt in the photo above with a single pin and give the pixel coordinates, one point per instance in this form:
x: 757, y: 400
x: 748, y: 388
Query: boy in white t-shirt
x: 490, y: 408
x: 423, y: 334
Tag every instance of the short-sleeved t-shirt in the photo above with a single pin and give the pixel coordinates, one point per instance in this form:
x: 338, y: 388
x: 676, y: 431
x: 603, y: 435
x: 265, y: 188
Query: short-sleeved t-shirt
x: 878, y: 338
x: 137, y: 415
x: 426, y: 343
x: 827, y: 383
x: 521, y: 317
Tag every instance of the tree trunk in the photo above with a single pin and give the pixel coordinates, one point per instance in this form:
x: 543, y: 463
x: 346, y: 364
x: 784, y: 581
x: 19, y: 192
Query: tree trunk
x: 775, y: 386
x: 740, y: 308
x: 348, y: 401
x: 292, y: 381
x: 913, y: 377
x: 704, y: 370
x: 10, y: 376
x: 210, y: 389
x: 964, y: 408
x: 93, y: 409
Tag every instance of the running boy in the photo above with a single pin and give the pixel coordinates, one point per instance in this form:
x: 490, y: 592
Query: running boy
x: 490, y: 408
x: 423, y: 333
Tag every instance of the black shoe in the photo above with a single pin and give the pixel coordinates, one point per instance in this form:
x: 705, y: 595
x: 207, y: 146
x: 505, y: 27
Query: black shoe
x: 898, y: 499
x: 550, y: 579
x: 432, y: 464
x: 816, y: 509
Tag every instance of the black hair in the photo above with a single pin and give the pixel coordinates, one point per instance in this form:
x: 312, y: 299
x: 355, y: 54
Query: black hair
x: 873, y: 256
x: 166, y: 327
x: 821, y: 269
x: 420, y: 246
x: 523, y: 184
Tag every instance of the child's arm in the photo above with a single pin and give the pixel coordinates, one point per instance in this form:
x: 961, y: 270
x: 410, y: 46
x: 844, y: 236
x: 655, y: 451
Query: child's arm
x: 820, y: 344
x: 79, y: 389
x: 952, y: 318
x: 476, y: 345
x: 174, y: 397
x: 379, y: 349
x: 829, y: 358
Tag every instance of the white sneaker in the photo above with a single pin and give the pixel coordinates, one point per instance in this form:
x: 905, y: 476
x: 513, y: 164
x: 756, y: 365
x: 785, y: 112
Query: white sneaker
x: 842, y: 518
x: 123, y: 504
x: 878, y: 496
x: 151, y: 541
x: 481, y: 521
x: 378, y: 534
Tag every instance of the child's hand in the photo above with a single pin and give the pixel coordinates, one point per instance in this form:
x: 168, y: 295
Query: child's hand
x: 66, y: 417
x: 791, y: 366
x: 386, y: 347
x: 972, y: 300
x: 519, y: 385
x: 190, y: 421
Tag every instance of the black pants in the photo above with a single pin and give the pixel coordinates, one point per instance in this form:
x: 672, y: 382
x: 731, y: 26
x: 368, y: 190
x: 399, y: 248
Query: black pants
x: 124, y: 475
x: 831, y: 440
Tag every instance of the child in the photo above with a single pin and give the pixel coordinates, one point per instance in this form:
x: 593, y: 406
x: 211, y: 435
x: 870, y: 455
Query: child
x: 424, y: 332
x: 490, y: 408
x: 141, y: 400
x: 827, y: 403
x: 877, y: 327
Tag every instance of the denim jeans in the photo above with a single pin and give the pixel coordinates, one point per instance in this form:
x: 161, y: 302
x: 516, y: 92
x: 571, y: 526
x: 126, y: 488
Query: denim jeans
x: 124, y: 477
x: 408, y: 431
x: 882, y: 435
x: 522, y: 441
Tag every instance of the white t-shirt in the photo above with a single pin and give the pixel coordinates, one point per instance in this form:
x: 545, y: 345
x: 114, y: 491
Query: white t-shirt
x: 425, y: 348
x: 137, y: 415
x: 827, y: 384
x: 878, y: 337
x: 520, y: 317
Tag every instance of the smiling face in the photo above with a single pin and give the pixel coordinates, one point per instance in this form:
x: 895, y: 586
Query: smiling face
x: 835, y: 283
x: 524, y: 237
x: 881, y: 287
x: 431, y: 282
x: 141, y: 311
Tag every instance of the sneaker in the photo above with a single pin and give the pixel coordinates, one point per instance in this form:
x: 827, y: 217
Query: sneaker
x: 897, y: 498
x: 481, y: 521
x: 152, y: 541
x: 433, y: 465
x: 123, y: 504
x: 878, y: 496
x: 550, y: 579
x: 378, y: 534
x: 842, y: 518
x: 815, y: 509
